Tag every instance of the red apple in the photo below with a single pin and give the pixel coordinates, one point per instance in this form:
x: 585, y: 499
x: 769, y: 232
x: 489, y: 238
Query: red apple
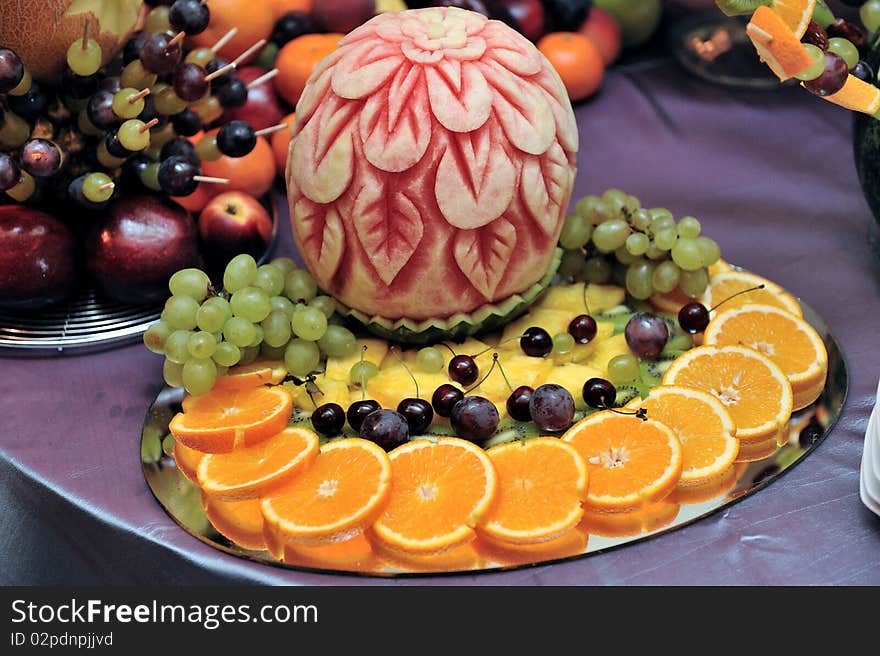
x: 602, y: 29
x: 526, y: 16
x: 233, y: 222
x: 342, y: 15
x: 262, y: 109
x: 138, y: 244
x: 37, y: 259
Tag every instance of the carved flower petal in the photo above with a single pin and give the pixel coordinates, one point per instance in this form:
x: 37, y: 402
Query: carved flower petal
x: 513, y: 51
x: 366, y: 68
x: 521, y: 109
x: 484, y: 254
x: 419, y: 55
x: 321, y: 237
x: 464, y: 110
x: 316, y: 90
x: 473, y: 49
x: 545, y: 187
x: 550, y: 83
x: 390, y: 228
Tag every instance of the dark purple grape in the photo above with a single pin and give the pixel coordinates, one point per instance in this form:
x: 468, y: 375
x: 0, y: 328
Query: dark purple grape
x: 11, y: 70
x: 100, y: 110
x: 113, y: 84
x: 31, y: 105
x: 158, y: 56
x: 180, y: 147
x: 536, y: 342
x: 115, y: 147
x: 518, y: 403
x: 359, y: 410
x: 133, y: 167
x: 552, y: 408
x: 75, y: 191
x: 850, y: 31
x: 386, y: 428
x: 187, y: 123
x: 189, y: 82
x: 444, y: 399
x: 833, y: 77
x: 816, y: 35
x: 41, y: 158
x: 190, y: 16
x: 328, y: 419
x: 864, y: 72
x: 177, y: 176
x: 233, y: 95
x: 599, y: 393
x: 693, y: 317
x: 236, y: 139
x: 10, y: 172
x: 463, y: 370
x: 583, y: 328
x: 132, y: 50
x: 418, y: 413
x: 474, y: 419
x: 292, y: 25
x: 215, y: 65
x: 646, y: 334
x: 79, y: 87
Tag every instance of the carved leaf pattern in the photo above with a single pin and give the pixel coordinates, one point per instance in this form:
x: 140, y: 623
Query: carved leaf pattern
x: 460, y: 110
x: 484, y: 254
x: 322, y: 237
x: 546, y: 186
x: 365, y: 69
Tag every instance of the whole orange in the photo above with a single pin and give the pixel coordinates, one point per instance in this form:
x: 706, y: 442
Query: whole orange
x: 253, y: 18
x: 281, y: 7
x: 281, y: 143
x: 254, y: 173
x: 578, y: 62
x: 298, y: 58
x: 196, y: 201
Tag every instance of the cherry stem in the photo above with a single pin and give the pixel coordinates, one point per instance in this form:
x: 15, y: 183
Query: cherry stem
x: 408, y: 370
x: 147, y: 126
x: 503, y: 374
x: 641, y: 413
x: 310, y: 382
x: 250, y: 51
x: 586, y: 305
x: 177, y: 38
x: 488, y: 373
x: 85, y: 37
x: 730, y: 298
x: 226, y: 38
x: 139, y: 96
x: 492, y: 348
x: 263, y: 78
x: 363, y: 378
x: 444, y: 344
x: 271, y: 130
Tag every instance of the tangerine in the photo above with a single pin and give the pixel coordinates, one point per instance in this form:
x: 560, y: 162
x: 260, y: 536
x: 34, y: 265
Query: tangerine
x: 253, y: 174
x: 578, y: 62
x: 298, y: 59
x: 254, y: 20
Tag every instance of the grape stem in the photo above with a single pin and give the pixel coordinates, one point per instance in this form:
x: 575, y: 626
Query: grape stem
x: 488, y: 373
x: 730, y: 298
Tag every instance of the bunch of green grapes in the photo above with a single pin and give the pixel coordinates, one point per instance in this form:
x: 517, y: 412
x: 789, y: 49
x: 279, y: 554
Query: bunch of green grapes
x: 273, y: 311
x: 613, y: 238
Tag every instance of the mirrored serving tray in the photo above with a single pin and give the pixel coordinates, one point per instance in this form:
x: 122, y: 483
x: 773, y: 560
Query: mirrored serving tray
x: 763, y: 463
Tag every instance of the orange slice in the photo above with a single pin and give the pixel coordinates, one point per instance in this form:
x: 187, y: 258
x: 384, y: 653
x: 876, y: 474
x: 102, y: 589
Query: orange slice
x: 788, y: 340
x: 632, y: 463
x: 259, y: 372
x: 709, y: 489
x: 187, y: 461
x: 354, y: 555
x: 758, y: 450
x: 704, y: 426
x: 796, y: 14
x: 652, y: 518
x: 722, y: 287
x: 777, y: 44
x: 857, y: 95
x: 254, y: 471
x: 541, y: 483
x: 462, y: 558
x: 721, y: 266
x: 441, y: 490
x: 335, y: 499
x: 752, y: 387
x: 572, y: 543
x: 240, y: 522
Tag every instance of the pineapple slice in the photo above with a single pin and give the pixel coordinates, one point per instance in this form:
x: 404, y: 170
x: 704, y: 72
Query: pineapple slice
x: 339, y: 368
x: 393, y: 384
x: 570, y: 298
x: 603, y: 352
x: 332, y: 391
x: 581, y: 352
x: 520, y: 370
x: 572, y: 377
x: 553, y: 321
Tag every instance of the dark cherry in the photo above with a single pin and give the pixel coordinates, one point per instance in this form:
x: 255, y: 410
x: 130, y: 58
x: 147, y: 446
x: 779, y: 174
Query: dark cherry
x: 583, y: 328
x: 850, y: 31
x: 444, y: 399
x: 179, y: 147
x: 418, y: 413
x: 693, y: 317
x: 474, y: 418
x: 187, y: 123
x: 599, y: 393
x: 536, y: 342
x: 463, y: 370
x: 386, y: 428
x: 864, y: 72
x: 518, y: 403
x: 359, y: 410
x: 816, y: 35
x: 328, y: 419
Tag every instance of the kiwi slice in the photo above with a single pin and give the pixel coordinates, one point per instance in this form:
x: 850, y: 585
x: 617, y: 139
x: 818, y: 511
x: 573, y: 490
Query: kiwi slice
x: 625, y: 394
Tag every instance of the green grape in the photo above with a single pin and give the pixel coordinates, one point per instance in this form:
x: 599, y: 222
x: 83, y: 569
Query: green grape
x: 602, y: 212
x: 258, y: 337
x: 618, y: 273
x: 155, y: 336
x: 710, y: 250
x: 641, y: 219
x: 157, y: 20
x: 151, y: 448
x: 207, y: 149
x: 251, y: 303
x: 200, y: 56
x: 576, y: 232
x: 270, y: 279
x: 202, y: 345
x: 168, y: 102
x: 870, y: 15
x: 586, y: 206
x: 655, y: 253
x: 300, y: 286
x: 135, y: 76
x: 845, y: 49
x: 430, y: 360
x: 326, y: 304
x: 98, y: 187
x: 362, y: 372
x: 149, y: 176
x: 213, y: 314
x: 177, y: 347
x: 14, y: 131
x: 611, y: 235
x: 208, y: 108
x: 273, y: 352
x: 240, y: 273
x: 276, y: 329
x: 127, y: 103
x: 679, y: 341
x: 338, y: 342
x: 86, y: 126
x: 23, y: 86
x: 84, y: 60
x: 639, y: 279
x: 660, y: 213
x: 267, y: 57
x: 168, y: 445
x: 180, y: 312
x: 623, y: 369
x: 249, y: 354
x: 24, y: 188
x: 302, y: 357
x: 161, y: 136
x: 637, y: 243
x: 199, y: 376
x: 107, y: 160
x: 227, y: 354
x: 190, y: 282
x: 818, y: 65
x: 282, y: 304
x: 172, y: 372
x: 238, y: 331
x: 694, y: 283
x: 631, y: 205
x: 563, y: 343
x: 616, y: 200
x: 284, y: 264
x: 665, y: 238
x: 687, y: 254
x: 665, y: 276
x: 309, y: 324
x: 624, y: 256
x: 133, y: 135
x: 571, y: 264
x: 596, y: 270
x: 689, y: 228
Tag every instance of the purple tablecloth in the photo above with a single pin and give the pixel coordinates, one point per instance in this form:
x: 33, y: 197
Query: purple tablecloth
x: 771, y: 177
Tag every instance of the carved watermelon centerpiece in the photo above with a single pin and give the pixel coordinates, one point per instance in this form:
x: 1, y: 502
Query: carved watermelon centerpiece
x: 430, y: 170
